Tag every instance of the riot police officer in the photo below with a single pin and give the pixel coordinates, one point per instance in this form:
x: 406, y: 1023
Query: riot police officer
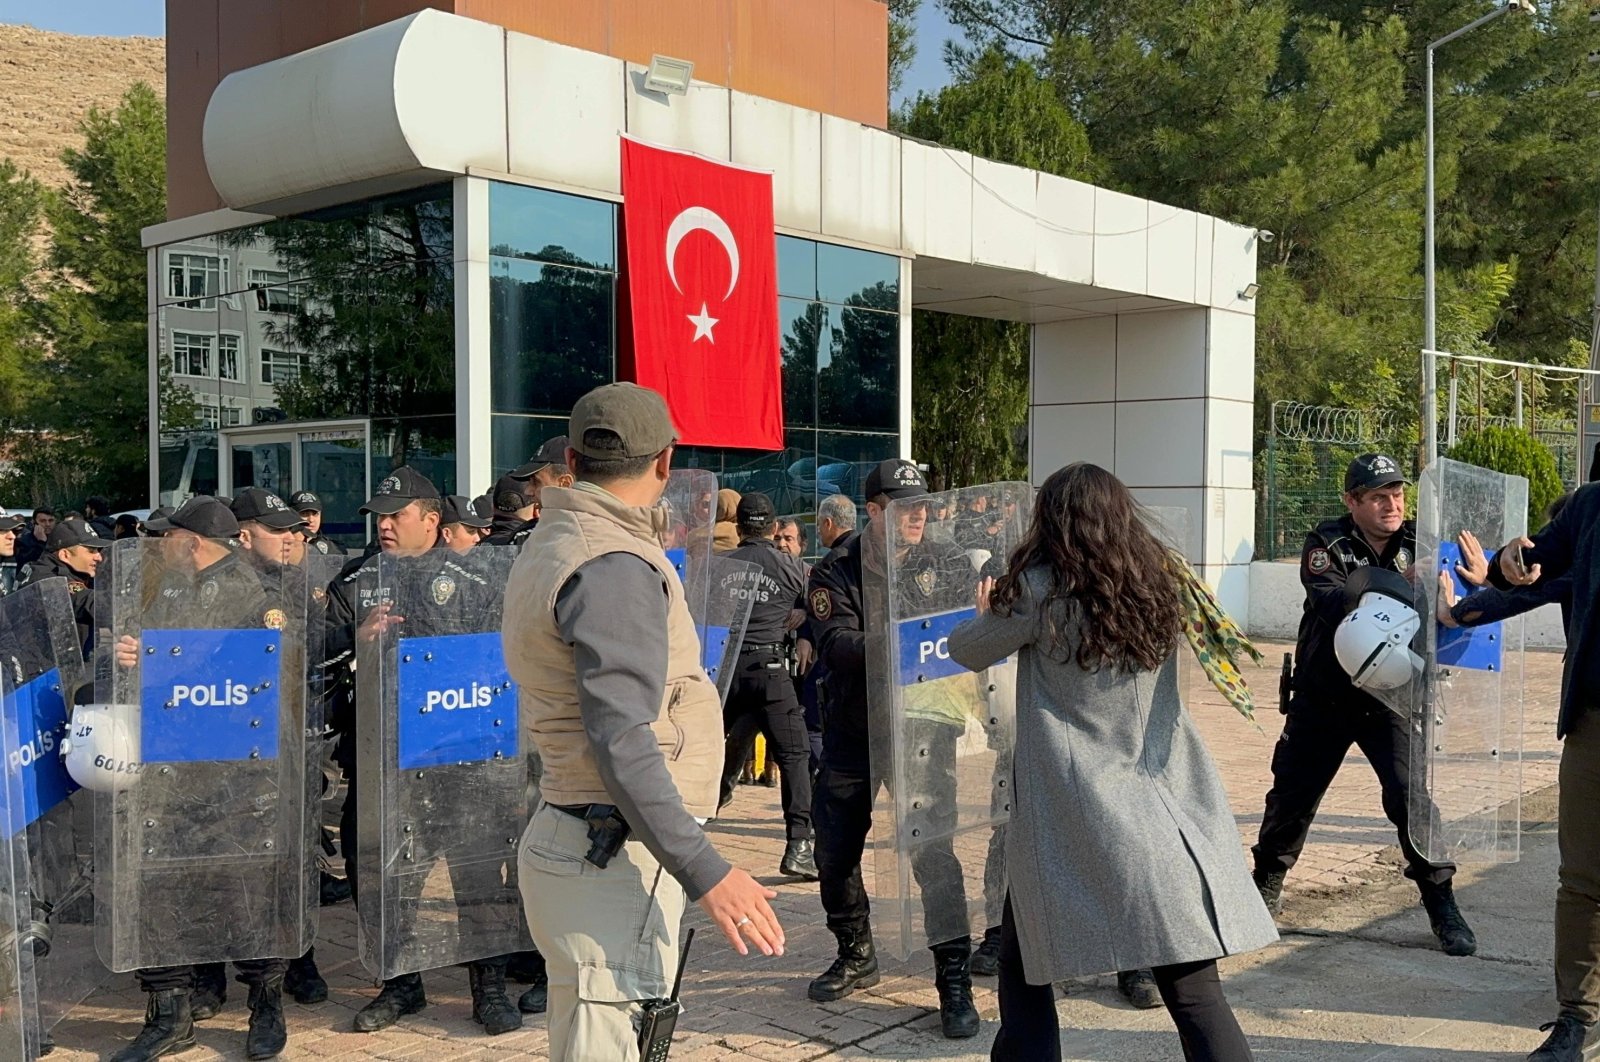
x: 460, y: 525
x: 408, y: 508
x: 516, y: 494
x: 309, y: 506
x: 72, y: 552
x: 846, y: 784
x: 761, y: 685
x: 205, y: 576
x: 1327, y: 714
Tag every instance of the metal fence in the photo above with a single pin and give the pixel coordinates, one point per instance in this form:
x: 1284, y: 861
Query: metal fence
x: 1300, y: 464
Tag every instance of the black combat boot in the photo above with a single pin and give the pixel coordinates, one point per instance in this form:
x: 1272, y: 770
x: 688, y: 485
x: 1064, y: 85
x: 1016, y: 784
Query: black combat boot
x: 799, y: 861
x: 952, y: 977
x: 1269, y: 883
x: 527, y: 968
x: 856, y: 967
x: 268, y: 1032
x: 334, y: 890
x: 1138, y: 987
x: 168, y: 1027
x: 1568, y: 1037
x: 490, y: 1006
x: 986, y: 960
x: 304, y: 981
x: 1455, y: 936
x: 400, y: 996
x: 210, y: 990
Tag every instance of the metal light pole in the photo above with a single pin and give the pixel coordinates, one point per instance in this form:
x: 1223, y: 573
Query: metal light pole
x: 1430, y: 379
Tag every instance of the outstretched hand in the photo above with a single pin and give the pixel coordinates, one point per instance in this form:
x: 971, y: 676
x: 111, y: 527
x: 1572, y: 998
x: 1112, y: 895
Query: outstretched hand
x: 1447, y: 600
x: 738, y: 905
x: 1474, y: 566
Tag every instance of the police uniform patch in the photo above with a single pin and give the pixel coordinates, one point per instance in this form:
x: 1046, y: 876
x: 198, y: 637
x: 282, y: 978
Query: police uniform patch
x: 319, y: 595
x: 1318, y: 561
x: 443, y: 587
x: 274, y: 619
x: 208, y: 592
x: 821, y: 604
x: 76, y: 586
x: 1402, y: 559
x: 925, y: 580
x: 322, y: 546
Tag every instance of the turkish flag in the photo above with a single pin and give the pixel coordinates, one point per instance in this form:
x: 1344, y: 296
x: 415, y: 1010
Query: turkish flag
x: 701, y: 290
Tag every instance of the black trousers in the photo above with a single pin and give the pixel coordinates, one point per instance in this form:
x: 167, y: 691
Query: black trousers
x: 251, y: 972
x: 1316, y: 736
x: 1192, y: 992
x: 762, y: 697
x: 842, y: 812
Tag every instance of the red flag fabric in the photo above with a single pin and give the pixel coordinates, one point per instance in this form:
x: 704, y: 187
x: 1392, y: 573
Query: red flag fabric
x: 701, y: 289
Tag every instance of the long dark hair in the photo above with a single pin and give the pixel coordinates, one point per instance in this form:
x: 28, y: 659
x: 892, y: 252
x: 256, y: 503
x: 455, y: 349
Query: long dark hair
x: 1088, y: 534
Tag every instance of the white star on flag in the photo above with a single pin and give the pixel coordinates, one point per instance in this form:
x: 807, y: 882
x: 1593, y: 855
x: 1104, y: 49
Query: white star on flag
x: 703, y: 323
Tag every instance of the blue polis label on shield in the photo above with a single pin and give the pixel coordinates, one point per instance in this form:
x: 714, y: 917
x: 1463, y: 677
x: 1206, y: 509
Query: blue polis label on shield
x: 38, y: 710
x: 1469, y: 648
x: 925, y: 647
x: 209, y: 696
x: 457, y: 701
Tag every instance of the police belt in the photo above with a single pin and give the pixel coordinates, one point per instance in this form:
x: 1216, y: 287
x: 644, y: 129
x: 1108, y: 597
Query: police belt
x: 765, y: 647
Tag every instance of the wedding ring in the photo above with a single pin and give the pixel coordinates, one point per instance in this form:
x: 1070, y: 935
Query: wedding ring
x: 742, y: 922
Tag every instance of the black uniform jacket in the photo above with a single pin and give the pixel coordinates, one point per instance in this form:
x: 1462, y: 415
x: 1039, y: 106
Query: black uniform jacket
x: 1333, y: 552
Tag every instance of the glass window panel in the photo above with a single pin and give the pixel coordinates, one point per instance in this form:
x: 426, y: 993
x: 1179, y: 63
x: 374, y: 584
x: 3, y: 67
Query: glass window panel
x: 228, y: 356
x: 514, y: 439
x: 547, y: 226
x: 551, y: 334
x: 858, y: 374
x: 845, y: 458
x: 427, y: 444
x: 862, y: 278
x: 803, y: 326
x: 187, y: 466
x: 408, y: 226
x: 797, y: 267
x: 785, y: 476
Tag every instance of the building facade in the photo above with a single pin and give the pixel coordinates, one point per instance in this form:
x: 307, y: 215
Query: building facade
x: 416, y: 256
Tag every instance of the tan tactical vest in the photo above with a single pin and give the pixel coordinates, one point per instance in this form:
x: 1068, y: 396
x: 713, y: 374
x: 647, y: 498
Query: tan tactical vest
x: 575, y: 526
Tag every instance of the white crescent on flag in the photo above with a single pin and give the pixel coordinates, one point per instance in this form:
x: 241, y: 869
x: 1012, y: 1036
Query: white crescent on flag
x: 705, y: 220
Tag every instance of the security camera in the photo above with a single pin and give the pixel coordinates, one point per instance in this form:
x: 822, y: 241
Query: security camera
x: 1265, y: 236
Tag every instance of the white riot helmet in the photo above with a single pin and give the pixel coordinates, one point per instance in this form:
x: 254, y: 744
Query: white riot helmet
x: 1373, y: 643
x: 102, y: 747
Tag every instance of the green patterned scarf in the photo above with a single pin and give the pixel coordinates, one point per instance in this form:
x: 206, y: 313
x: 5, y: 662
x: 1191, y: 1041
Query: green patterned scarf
x: 1216, y: 640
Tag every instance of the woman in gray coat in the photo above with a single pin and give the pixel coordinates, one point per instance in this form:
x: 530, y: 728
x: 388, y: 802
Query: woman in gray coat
x: 1122, y: 851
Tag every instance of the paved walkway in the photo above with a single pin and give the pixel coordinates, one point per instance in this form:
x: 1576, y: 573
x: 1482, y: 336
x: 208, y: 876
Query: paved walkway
x: 1357, y: 980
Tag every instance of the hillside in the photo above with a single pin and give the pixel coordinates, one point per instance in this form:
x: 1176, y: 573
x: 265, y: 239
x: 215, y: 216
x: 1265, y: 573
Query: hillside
x: 48, y: 82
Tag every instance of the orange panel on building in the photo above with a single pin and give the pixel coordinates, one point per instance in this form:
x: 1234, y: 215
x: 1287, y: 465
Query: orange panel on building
x: 824, y: 55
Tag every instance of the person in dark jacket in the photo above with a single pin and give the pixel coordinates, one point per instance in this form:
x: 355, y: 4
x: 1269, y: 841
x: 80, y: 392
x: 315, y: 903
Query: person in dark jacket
x: 761, y: 684
x: 847, y: 783
x: 516, y: 495
x: 73, y: 553
x: 1327, y: 714
x: 97, y: 514
x: 309, y: 506
x: 1569, y: 547
x: 30, y: 547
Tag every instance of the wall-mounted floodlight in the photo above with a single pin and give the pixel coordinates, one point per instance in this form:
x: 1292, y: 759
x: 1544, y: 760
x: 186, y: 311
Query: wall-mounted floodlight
x: 1266, y: 235
x: 1249, y: 291
x: 668, y: 75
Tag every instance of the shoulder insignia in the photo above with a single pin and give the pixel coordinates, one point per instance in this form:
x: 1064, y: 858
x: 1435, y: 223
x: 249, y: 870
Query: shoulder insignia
x: 443, y: 587
x: 821, y: 603
x: 322, y: 546
x: 925, y: 581
x: 274, y: 619
x: 76, y: 586
x: 1318, y: 561
x: 1402, y: 559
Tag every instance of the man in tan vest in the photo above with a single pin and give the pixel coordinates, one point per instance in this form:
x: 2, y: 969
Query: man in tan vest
x: 598, y: 636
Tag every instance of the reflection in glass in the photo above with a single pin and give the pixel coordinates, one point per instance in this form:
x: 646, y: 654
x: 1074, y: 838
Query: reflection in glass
x: 546, y: 226
x: 551, y: 334
x: 516, y: 439
x: 797, y: 268
x: 802, y: 326
x: 858, y: 374
x: 845, y: 274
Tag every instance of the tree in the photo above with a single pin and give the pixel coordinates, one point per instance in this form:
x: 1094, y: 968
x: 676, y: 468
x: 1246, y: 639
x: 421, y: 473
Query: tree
x: 92, y: 408
x: 21, y: 210
x: 902, y: 40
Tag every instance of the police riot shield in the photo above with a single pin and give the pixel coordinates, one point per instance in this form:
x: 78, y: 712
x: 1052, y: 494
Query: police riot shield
x: 445, y: 777
x: 20, y: 1027
x: 1466, y: 742
x: 689, y: 506
x: 941, y: 736
x: 203, y: 827
x: 331, y: 686
x: 722, y: 589
x: 52, y: 819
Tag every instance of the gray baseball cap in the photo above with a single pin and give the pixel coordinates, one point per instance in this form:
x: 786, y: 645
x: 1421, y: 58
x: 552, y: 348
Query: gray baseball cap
x: 637, y: 415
